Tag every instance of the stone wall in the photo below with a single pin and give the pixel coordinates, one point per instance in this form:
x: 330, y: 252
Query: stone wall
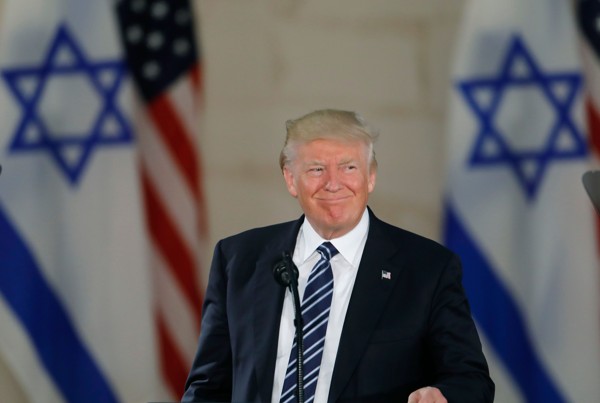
x: 270, y: 60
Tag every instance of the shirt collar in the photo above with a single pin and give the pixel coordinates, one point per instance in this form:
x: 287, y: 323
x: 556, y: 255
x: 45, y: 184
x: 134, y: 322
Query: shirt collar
x: 346, y: 244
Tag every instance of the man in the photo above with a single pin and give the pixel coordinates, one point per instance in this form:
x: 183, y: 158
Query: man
x: 392, y: 322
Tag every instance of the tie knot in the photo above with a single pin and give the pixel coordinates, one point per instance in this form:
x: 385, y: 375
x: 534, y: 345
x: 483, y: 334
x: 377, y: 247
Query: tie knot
x: 327, y: 250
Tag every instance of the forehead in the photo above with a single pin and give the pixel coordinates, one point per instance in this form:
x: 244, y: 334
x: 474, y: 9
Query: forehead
x: 332, y: 148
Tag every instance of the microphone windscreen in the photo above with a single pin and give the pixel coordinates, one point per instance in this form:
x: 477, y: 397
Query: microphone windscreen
x: 283, y: 268
x: 591, y: 182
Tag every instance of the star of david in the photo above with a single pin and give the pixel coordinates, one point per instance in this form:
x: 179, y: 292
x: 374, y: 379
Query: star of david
x: 67, y: 68
x: 495, y: 144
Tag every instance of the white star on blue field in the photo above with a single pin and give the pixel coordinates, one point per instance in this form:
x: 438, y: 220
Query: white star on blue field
x: 42, y: 126
x: 519, y: 83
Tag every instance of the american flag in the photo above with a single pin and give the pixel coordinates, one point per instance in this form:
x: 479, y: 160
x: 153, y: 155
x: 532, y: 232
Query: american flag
x: 588, y: 17
x: 161, y: 52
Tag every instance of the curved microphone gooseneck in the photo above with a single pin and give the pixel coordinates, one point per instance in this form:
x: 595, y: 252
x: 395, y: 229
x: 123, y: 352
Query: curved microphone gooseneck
x: 286, y: 275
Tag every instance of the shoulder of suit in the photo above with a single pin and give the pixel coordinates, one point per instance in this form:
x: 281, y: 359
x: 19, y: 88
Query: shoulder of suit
x: 411, y: 240
x: 261, y: 234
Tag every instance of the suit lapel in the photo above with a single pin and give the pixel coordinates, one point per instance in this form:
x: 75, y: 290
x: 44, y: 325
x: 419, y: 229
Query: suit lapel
x: 369, y: 296
x: 268, y: 305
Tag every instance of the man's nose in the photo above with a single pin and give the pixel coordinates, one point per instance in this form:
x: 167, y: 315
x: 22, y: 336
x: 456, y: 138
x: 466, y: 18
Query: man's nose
x: 333, y: 183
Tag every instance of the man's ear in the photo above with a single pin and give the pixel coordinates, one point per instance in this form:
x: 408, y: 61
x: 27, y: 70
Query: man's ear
x: 372, y: 179
x: 289, y: 181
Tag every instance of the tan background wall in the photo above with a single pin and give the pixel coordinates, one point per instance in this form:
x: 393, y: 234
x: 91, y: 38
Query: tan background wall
x: 269, y: 60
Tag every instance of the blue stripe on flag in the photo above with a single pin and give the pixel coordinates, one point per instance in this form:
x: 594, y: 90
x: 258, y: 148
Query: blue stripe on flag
x: 499, y: 317
x: 58, y: 345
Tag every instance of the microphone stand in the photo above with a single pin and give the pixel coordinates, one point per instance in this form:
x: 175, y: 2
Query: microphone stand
x: 286, y: 274
x: 299, y: 322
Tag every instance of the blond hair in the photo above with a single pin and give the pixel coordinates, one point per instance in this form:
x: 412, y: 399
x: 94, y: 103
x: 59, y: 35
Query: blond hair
x: 327, y: 124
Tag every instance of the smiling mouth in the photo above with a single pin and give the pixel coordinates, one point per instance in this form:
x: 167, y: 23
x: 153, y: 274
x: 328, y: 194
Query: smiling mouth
x: 334, y: 200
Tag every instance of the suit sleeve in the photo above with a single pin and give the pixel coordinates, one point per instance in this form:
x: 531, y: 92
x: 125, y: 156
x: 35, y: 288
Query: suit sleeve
x: 211, y: 373
x: 461, y: 371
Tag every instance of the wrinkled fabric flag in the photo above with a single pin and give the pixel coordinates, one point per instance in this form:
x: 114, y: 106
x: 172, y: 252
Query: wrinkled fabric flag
x: 516, y: 211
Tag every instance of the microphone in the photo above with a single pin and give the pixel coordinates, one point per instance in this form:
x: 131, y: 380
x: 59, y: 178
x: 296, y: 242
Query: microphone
x: 286, y: 275
x: 281, y: 271
x: 591, y: 182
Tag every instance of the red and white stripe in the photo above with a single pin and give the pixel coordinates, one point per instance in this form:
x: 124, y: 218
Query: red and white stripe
x: 591, y: 70
x: 171, y: 179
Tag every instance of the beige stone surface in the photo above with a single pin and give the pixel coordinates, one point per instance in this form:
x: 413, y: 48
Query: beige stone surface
x: 267, y: 61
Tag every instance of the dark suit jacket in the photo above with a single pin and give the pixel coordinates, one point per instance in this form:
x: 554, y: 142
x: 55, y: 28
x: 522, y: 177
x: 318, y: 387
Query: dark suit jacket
x: 401, y: 334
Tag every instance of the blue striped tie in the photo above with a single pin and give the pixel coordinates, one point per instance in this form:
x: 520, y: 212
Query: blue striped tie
x: 316, y: 304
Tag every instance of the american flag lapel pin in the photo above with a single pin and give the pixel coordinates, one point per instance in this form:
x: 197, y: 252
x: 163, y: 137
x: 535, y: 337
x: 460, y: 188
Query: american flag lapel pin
x: 386, y: 275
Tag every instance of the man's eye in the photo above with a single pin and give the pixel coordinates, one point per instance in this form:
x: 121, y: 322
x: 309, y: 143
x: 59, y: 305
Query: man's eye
x: 315, y: 171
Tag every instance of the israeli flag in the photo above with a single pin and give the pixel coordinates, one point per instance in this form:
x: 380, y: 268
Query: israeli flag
x: 75, y: 302
x: 516, y: 211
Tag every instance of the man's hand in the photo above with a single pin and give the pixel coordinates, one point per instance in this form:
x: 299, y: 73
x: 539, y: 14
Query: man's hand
x: 427, y: 395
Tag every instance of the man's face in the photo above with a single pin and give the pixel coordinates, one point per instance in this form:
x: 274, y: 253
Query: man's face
x: 332, y: 181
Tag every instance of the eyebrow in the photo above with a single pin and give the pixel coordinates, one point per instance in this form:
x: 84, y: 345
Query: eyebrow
x: 342, y: 162
x: 314, y: 162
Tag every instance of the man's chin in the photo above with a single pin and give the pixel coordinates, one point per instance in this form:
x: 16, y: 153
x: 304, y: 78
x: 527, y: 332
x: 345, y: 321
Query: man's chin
x: 339, y: 225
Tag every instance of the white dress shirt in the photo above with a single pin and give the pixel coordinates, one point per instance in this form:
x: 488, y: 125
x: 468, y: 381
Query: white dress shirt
x: 344, y: 266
